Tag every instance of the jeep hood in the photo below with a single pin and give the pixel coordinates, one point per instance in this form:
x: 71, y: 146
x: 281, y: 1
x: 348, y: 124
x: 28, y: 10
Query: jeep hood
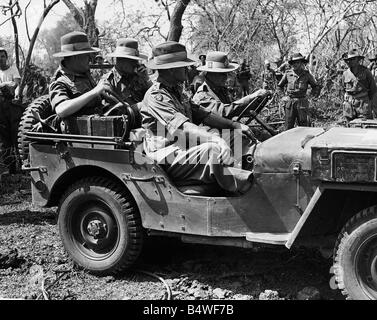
x: 279, y: 153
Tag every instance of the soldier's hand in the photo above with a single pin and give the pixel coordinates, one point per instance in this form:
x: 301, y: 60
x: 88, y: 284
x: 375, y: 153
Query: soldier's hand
x: 246, y: 131
x: 103, y: 88
x: 225, y: 155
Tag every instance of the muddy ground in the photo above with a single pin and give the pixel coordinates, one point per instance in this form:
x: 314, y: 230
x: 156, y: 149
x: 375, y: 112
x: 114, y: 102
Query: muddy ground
x: 34, y: 265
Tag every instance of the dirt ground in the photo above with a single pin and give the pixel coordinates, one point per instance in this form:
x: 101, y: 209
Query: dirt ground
x: 34, y: 265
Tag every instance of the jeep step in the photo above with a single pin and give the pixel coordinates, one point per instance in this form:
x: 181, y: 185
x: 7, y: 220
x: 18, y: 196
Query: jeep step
x: 271, y: 238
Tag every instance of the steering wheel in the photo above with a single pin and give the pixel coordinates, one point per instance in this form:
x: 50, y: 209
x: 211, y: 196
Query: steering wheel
x: 128, y: 109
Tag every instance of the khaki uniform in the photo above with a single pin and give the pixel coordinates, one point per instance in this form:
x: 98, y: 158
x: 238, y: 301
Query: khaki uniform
x: 360, y: 89
x: 66, y: 86
x: 269, y: 79
x: 296, y: 101
x: 217, y: 101
x: 10, y: 115
x: 130, y: 88
x: 163, y: 113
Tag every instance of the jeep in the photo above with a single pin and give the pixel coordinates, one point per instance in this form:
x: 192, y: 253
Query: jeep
x: 312, y: 187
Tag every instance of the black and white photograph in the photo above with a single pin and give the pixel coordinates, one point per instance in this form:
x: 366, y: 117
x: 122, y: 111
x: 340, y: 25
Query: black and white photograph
x: 188, y: 158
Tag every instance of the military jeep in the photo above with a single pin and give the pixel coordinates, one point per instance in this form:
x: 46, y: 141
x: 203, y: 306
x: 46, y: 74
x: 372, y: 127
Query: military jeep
x: 312, y: 187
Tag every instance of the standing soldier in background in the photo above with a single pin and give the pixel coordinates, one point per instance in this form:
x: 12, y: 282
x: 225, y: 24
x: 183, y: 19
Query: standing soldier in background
x: 269, y: 77
x: 128, y: 78
x: 297, y: 80
x: 373, y: 66
x: 360, y: 88
x: 243, y: 77
x: 10, y: 113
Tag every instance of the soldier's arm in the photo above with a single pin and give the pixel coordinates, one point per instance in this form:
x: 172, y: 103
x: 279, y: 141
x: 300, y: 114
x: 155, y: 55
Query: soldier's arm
x: 283, y: 82
x: 314, y: 85
x: 64, y: 106
x: 372, y: 85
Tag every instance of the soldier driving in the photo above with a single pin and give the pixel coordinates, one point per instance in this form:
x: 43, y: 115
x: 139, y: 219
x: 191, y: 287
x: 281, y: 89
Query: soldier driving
x: 172, y: 123
x: 297, y: 80
x: 213, y: 93
x: 73, y: 90
x: 360, y: 88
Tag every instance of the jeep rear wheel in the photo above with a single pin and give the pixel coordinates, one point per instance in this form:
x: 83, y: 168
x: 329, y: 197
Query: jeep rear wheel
x: 100, y: 226
x: 355, y: 258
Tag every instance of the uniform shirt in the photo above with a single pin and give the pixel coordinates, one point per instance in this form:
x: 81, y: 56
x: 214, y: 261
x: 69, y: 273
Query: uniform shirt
x: 66, y: 85
x: 8, y: 76
x: 130, y: 88
x: 164, y: 110
x: 361, y: 81
x: 217, y: 101
x: 297, y: 84
x: 269, y: 79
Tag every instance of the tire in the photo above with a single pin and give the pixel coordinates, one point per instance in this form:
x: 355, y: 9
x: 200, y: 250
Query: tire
x: 100, y: 226
x: 43, y: 107
x: 355, y: 256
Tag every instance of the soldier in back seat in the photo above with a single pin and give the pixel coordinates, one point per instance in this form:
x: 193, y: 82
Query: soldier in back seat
x: 73, y: 90
x: 128, y: 78
x: 186, y: 151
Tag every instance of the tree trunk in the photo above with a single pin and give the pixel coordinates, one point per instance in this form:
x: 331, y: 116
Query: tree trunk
x: 31, y: 46
x: 85, y: 17
x: 15, y: 29
x: 176, y: 27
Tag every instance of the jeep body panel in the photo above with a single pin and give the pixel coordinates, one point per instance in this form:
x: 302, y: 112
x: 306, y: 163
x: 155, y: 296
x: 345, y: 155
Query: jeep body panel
x: 284, y: 193
x: 273, y: 205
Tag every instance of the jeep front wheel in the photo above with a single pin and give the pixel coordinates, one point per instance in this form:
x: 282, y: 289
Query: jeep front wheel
x: 100, y: 226
x: 355, y: 258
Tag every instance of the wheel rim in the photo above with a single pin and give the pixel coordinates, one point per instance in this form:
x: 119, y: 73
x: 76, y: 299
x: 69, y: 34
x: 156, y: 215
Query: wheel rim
x: 366, y: 266
x: 94, y: 229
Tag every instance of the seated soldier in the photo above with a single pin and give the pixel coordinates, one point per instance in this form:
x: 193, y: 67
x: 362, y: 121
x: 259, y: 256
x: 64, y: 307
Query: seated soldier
x: 213, y: 93
x: 128, y: 78
x: 73, y: 90
x: 174, y: 140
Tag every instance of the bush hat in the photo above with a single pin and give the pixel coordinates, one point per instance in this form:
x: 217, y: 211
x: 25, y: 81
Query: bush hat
x: 169, y: 55
x: 353, y: 53
x: 297, y: 57
x: 218, y: 61
x: 73, y: 44
x: 128, y: 48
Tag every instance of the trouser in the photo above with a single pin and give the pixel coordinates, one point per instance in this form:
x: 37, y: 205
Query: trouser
x: 199, y: 163
x: 9, y: 120
x: 358, y: 106
x: 296, y: 109
x: 245, y: 89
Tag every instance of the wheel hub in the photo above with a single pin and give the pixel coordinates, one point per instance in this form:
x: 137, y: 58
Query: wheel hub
x: 97, y: 229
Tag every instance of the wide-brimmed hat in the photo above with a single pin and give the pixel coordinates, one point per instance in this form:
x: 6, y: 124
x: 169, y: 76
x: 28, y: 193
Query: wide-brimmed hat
x: 128, y: 48
x: 73, y: 44
x: 218, y: 61
x: 297, y: 57
x: 168, y: 55
x: 353, y: 53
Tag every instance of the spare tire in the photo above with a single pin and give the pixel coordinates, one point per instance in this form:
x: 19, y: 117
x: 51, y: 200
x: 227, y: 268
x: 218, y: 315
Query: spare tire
x: 42, y: 106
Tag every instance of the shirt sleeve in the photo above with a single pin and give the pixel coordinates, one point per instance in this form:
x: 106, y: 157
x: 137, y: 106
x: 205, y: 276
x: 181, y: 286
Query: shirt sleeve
x: 162, y: 107
x: 313, y: 83
x: 207, y: 102
x: 372, y: 85
x: 58, y: 92
x: 283, y: 82
x: 15, y: 73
